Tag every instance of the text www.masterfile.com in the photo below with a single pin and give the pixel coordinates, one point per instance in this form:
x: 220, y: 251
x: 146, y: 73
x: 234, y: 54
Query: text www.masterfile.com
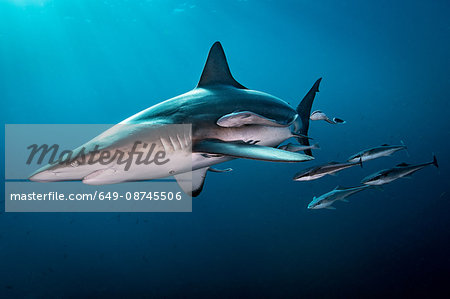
x: 102, y: 196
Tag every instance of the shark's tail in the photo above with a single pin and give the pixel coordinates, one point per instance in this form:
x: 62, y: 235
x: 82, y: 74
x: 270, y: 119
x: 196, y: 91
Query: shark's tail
x: 304, y: 112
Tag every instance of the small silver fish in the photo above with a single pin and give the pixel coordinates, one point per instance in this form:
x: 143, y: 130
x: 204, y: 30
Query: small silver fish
x: 376, y: 152
x: 402, y: 170
x: 296, y: 148
x: 319, y: 115
x: 326, y: 200
x: 317, y: 172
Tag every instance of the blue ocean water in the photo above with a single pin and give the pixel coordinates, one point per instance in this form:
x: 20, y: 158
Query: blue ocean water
x: 385, y: 69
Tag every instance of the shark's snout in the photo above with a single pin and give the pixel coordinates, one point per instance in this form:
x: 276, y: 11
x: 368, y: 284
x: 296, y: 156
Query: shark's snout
x: 43, y: 176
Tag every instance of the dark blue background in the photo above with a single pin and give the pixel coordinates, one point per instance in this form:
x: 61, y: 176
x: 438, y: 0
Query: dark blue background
x: 386, y: 71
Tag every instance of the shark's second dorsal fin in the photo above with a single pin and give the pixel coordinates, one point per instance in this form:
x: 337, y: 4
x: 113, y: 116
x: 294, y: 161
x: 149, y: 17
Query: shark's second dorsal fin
x: 216, y: 70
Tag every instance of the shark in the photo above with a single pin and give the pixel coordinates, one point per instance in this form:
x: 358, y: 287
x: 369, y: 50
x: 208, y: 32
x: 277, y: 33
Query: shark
x: 224, y: 119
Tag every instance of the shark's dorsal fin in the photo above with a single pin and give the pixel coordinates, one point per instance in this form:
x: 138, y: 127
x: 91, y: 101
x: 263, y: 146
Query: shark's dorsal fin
x: 216, y: 70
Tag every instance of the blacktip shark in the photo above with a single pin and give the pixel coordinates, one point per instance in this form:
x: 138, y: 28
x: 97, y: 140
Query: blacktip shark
x: 326, y: 200
x: 319, y: 115
x: 316, y: 172
x: 227, y: 121
x: 402, y: 170
x: 377, y: 152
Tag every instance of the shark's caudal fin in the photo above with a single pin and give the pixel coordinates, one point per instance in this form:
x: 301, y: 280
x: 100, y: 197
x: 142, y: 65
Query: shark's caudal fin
x: 304, y: 111
x: 216, y: 70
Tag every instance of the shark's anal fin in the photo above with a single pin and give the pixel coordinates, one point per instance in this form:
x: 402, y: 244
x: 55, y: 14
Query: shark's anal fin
x: 192, y: 182
x: 240, y: 149
x: 216, y: 70
x: 238, y: 119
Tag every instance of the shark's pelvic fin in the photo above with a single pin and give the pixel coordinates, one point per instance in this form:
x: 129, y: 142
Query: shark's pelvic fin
x: 192, y: 182
x: 238, y: 119
x: 244, y: 150
x: 304, y: 112
x: 216, y: 71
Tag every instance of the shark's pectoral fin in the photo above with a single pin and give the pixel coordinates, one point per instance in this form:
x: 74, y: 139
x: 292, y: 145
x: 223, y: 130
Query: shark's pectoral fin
x: 192, y: 182
x: 241, y: 149
x: 238, y: 119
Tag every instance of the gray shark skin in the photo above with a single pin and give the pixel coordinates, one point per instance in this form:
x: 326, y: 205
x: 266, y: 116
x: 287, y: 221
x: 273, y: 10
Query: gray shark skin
x: 376, y: 152
x: 227, y: 121
x: 316, y: 172
x: 326, y: 200
x: 402, y: 170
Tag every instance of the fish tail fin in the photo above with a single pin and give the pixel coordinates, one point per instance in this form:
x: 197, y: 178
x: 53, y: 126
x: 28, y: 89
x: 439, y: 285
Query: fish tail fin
x: 301, y: 125
x: 377, y: 187
x: 338, y: 120
x: 315, y: 146
x: 406, y: 148
x: 435, y: 162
